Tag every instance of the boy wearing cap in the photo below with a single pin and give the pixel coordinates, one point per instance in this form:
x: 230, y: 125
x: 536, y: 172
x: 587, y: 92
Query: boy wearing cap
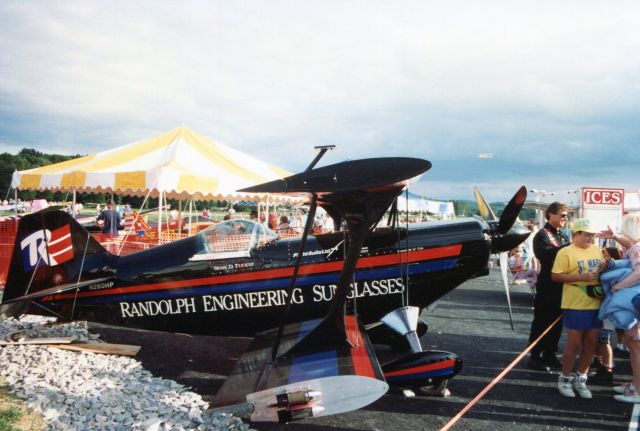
x: 578, y: 266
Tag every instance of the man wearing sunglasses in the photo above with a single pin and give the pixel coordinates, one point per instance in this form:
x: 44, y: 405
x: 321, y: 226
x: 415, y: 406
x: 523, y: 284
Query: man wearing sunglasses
x: 546, y: 307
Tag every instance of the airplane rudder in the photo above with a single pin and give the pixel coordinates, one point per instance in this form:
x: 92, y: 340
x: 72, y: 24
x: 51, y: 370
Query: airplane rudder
x: 48, y: 250
x: 63, y: 231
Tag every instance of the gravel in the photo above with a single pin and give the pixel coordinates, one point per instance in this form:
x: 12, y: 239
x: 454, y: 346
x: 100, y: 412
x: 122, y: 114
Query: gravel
x: 80, y: 391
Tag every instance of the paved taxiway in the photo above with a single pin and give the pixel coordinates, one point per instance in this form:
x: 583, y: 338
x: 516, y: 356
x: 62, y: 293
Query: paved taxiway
x: 471, y: 321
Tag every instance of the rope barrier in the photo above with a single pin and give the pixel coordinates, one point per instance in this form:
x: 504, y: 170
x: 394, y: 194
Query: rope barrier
x: 497, y: 379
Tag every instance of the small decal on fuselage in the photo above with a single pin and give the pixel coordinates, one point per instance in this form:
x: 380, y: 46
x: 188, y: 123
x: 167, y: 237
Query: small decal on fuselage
x: 232, y: 266
x: 313, y: 252
x: 100, y: 286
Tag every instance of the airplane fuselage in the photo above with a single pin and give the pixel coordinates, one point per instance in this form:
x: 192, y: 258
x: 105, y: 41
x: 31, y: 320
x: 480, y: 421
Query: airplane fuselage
x: 164, y: 288
x: 306, y: 305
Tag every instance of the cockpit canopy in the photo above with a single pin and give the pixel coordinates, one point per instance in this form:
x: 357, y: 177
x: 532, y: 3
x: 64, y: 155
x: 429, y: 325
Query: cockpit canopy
x: 234, y: 238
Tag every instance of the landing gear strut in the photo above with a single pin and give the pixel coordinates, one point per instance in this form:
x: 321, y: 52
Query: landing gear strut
x: 419, y: 372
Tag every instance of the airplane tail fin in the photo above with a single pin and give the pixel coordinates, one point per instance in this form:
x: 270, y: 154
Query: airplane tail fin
x: 52, y: 253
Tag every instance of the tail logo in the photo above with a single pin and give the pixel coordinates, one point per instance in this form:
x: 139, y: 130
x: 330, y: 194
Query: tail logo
x: 47, y: 247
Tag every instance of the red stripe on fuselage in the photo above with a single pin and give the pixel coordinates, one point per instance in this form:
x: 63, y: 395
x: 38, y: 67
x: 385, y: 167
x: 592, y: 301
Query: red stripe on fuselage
x: 421, y: 369
x: 359, y: 355
x: 311, y: 268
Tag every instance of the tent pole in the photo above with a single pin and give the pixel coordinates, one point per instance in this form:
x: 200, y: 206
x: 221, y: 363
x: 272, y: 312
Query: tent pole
x: 266, y: 219
x: 167, y: 213
x: 15, y: 201
x: 160, y: 215
x: 179, y: 215
x: 73, y: 204
x: 190, y: 213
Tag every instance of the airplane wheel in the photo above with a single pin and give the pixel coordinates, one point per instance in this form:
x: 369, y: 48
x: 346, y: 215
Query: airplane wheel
x: 433, y: 388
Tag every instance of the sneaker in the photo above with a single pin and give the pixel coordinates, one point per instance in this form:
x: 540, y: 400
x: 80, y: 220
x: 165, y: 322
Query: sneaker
x: 630, y: 395
x: 622, y: 389
x: 565, y: 388
x: 580, y: 386
x: 536, y: 363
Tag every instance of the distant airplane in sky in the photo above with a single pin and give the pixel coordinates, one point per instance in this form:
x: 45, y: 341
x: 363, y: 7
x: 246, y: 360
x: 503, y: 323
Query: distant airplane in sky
x: 485, y: 156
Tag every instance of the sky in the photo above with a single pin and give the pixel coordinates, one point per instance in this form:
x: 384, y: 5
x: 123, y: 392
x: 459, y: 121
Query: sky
x: 550, y: 88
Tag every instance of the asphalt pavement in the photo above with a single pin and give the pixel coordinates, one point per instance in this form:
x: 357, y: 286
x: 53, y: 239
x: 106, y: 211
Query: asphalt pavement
x: 471, y: 321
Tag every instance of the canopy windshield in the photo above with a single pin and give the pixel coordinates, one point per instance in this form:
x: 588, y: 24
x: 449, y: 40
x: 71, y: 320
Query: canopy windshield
x: 234, y: 238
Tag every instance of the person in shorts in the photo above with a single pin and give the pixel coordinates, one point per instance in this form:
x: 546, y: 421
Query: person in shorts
x: 630, y: 240
x: 578, y: 266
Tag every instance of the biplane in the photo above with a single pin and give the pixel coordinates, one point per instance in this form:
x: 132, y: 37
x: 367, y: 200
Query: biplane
x: 316, y: 305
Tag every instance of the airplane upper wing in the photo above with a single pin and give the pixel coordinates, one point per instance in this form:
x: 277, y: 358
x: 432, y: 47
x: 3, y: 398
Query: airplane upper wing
x: 373, y: 174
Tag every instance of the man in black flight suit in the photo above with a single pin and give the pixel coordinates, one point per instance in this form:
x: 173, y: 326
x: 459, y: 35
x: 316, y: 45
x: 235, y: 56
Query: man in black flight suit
x: 546, y: 307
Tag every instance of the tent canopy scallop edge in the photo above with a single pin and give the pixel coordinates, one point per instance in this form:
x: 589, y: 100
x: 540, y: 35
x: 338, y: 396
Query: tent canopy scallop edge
x: 181, y: 163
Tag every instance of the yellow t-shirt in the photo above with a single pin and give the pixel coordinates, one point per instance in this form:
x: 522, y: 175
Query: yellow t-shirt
x: 575, y: 260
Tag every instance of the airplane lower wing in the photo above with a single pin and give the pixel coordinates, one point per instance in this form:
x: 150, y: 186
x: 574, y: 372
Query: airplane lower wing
x: 327, y: 379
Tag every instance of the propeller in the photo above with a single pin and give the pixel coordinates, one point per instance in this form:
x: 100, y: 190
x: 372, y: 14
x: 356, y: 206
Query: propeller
x: 502, y: 240
x: 511, y: 211
x: 485, y: 209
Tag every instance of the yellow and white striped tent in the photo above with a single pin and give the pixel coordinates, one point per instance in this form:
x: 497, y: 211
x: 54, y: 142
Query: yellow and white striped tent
x: 180, y: 164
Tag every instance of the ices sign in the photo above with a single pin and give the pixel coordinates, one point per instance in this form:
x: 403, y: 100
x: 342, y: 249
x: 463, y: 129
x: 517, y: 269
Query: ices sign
x: 591, y: 196
x: 603, y: 207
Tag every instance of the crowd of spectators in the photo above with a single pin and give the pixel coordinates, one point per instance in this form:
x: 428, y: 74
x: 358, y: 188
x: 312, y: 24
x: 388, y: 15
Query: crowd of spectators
x: 589, y: 287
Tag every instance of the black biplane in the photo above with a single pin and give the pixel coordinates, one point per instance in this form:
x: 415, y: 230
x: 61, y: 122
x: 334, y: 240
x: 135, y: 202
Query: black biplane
x: 314, y: 304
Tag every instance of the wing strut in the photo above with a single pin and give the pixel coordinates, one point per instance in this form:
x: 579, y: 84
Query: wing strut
x: 361, y: 212
x: 392, y: 220
x: 357, y: 230
x: 296, y: 268
x: 322, y: 149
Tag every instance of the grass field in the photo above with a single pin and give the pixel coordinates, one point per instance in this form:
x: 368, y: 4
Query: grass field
x: 15, y: 415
